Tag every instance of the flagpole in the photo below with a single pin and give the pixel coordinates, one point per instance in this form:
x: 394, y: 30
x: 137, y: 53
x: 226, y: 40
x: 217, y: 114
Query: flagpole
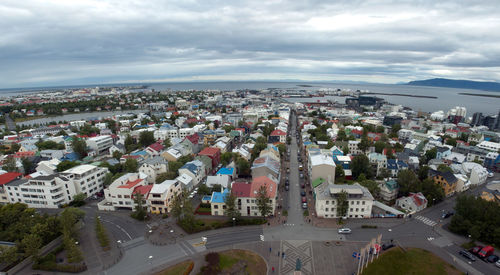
x: 359, y: 260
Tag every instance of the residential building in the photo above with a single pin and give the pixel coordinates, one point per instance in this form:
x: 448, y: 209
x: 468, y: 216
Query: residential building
x: 321, y: 166
x: 218, y: 202
x: 100, y: 144
x: 155, y: 149
x: 265, y: 166
x: 154, y: 166
x: 247, y: 194
x: 219, y: 179
x: 120, y: 193
x: 378, y: 161
x: 413, y: 203
x: 353, y: 147
x: 359, y: 200
x: 48, y: 166
x: 214, y: 154
x: 446, y: 180
x: 277, y: 136
x: 4, y: 180
x: 195, y: 170
x: 88, y: 179
x: 161, y: 196
x: 389, y: 190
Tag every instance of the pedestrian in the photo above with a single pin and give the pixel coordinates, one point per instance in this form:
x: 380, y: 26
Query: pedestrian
x: 283, y: 255
x: 278, y: 253
x: 272, y: 269
x: 269, y: 249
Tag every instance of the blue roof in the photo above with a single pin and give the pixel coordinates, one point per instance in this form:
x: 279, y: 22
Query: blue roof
x: 70, y: 156
x: 206, y: 198
x: 225, y: 171
x: 391, y: 164
x: 218, y: 197
x: 190, y: 166
x: 402, y: 164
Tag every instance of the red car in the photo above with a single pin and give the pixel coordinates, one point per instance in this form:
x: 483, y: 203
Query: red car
x: 476, y: 249
x: 486, y: 252
x: 304, y: 199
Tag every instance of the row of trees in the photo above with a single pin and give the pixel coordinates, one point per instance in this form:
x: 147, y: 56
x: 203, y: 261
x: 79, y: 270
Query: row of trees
x: 408, y: 182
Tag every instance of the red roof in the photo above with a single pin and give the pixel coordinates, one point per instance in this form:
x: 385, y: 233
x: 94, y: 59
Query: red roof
x: 209, y: 151
x: 263, y: 181
x: 157, y: 147
x: 24, y: 154
x: 8, y: 177
x: 143, y: 190
x: 278, y: 132
x: 241, y: 189
x: 418, y: 198
x: 130, y: 184
x: 194, y: 138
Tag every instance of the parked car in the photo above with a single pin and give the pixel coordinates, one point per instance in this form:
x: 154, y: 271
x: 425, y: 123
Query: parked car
x: 304, y: 199
x: 287, y: 188
x: 303, y: 193
x: 387, y: 246
x: 497, y: 263
x: 447, y: 214
x: 302, y: 186
x: 467, y: 255
x: 486, y: 252
x: 304, y: 205
x: 301, y: 175
x: 344, y: 231
x: 475, y: 249
x: 492, y: 259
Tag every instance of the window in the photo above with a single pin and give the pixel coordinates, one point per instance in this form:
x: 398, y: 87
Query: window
x: 216, y: 206
x: 350, y: 210
x: 357, y: 209
x: 326, y: 209
x: 362, y: 210
x: 357, y: 203
x: 327, y: 202
x: 363, y: 202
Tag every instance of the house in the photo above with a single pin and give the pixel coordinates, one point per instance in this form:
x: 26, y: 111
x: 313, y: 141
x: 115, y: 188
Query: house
x: 218, y: 202
x: 228, y: 171
x: 442, y: 152
x: 378, y: 161
x: 352, y: 145
x: 52, y: 154
x: 359, y: 200
x: 119, y: 147
x: 446, y: 180
x: 476, y: 172
x: 175, y: 152
x: 389, y: 190
x: 413, y: 203
x: 120, y: 193
x: 195, y: 170
x: 264, y: 166
x: 345, y: 162
x: 207, y: 163
x: 246, y: 194
x: 219, y: 179
x: 277, y: 136
x: 154, y: 166
x: 214, y: 154
x: 48, y: 166
x: 186, y: 181
x: 155, y: 149
x: 321, y: 166
x: 161, y: 196
x: 195, y: 141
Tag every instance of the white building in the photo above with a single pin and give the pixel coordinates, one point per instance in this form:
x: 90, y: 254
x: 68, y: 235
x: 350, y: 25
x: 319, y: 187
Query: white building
x: 353, y: 147
x: 161, y: 196
x: 359, y: 200
x: 48, y: 166
x: 154, y: 166
x: 88, y: 179
x: 100, y: 144
x: 119, y: 194
x: 321, y: 166
x: 413, y: 203
x: 490, y: 146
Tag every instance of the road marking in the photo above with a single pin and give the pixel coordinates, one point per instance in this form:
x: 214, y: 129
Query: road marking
x: 426, y: 220
x: 121, y: 228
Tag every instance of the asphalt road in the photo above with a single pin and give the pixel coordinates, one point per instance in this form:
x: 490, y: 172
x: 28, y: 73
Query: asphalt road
x: 229, y: 238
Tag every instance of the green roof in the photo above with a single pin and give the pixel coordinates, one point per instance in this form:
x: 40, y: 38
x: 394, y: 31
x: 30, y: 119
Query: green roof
x: 392, y: 185
x: 317, y: 182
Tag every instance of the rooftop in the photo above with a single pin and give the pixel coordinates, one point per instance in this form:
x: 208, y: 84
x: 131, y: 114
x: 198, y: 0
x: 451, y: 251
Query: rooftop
x: 80, y: 169
x: 8, y: 177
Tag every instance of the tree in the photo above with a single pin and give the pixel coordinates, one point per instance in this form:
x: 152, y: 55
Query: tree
x: 78, y: 199
x: 129, y: 144
x: 31, y: 244
x: 9, y: 255
x: 388, y: 152
x: 162, y: 177
x: 372, y: 186
x: 408, y: 182
x: 423, y: 172
x: 282, y: 148
x: 444, y: 168
x: 167, y: 143
x: 108, y: 179
x: 341, y: 135
x: 146, y: 138
x: 379, y: 146
x: 117, y: 155
x: 79, y: 146
x: 361, y: 164
x: 451, y: 141
x: 243, y: 167
x: 226, y: 158
x: 231, y: 207
x: 394, y: 130
x: 339, y: 173
x: 9, y: 164
x: 432, y: 192
x: 131, y: 165
x: 330, y: 144
x: 345, y: 150
x: 263, y: 202
x: 380, y: 129
x: 68, y: 219
x: 74, y: 253
x: 431, y: 154
x: 139, y: 211
x: 27, y: 165
x: 66, y: 164
x: 342, y: 204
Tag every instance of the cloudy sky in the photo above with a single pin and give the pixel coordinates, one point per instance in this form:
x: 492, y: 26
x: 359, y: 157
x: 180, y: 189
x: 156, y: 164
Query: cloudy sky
x: 64, y: 42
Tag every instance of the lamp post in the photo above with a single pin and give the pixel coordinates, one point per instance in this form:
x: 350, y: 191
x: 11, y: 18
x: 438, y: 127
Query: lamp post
x: 234, y: 220
x: 150, y: 259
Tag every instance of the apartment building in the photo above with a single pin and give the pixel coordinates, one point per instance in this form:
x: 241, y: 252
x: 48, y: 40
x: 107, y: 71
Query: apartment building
x: 359, y: 200
x: 88, y: 179
x: 161, y: 195
x: 100, y: 144
x: 120, y: 193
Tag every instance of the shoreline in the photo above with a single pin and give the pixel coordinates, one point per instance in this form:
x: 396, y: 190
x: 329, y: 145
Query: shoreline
x: 419, y: 96
x: 480, y: 95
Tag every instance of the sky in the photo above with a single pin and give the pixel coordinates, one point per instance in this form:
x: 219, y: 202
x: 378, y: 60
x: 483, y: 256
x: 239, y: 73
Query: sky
x: 73, y: 42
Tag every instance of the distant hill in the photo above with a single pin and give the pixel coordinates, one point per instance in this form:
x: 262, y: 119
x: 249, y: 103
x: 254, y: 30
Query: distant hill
x: 461, y: 84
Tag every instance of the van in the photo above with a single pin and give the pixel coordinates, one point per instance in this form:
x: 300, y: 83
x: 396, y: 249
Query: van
x: 486, y: 252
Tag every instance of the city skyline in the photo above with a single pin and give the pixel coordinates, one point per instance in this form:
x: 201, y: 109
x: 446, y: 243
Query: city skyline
x: 90, y: 42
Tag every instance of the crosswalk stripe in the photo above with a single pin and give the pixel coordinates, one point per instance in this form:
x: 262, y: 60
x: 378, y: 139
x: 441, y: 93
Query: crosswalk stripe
x: 426, y: 220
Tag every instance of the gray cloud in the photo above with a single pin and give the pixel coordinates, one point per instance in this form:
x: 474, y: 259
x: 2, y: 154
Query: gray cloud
x: 86, y: 42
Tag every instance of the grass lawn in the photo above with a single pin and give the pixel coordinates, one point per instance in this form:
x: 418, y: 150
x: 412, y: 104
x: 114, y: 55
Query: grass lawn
x: 415, y: 261
x: 256, y: 265
x: 177, y: 269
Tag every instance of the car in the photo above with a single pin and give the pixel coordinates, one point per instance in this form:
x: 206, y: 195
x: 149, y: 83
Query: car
x: 304, y: 205
x: 287, y: 188
x: 387, y: 246
x: 304, y: 199
x: 490, y: 175
x: 486, y: 252
x: 497, y: 263
x: 302, y: 186
x: 475, y: 249
x: 287, y: 182
x: 303, y: 193
x: 467, y: 255
x: 492, y: 259
x: 301, y: 175
x: 344, y: 231
x: 447, y: 214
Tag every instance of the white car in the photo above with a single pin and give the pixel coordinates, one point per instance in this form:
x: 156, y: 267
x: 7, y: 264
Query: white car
x: 497, y: 263
x: 344, y: 231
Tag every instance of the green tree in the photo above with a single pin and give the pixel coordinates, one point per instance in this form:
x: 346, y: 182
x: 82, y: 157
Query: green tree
x: 167, y: 143
x: 444, y: 168
x: 451, y: 141
x: 263, y: 202
x: 342, y: 204
x: 282, y: 148
x: 130, y: 144
x: 9, y: 164
x: 341, y: 135
x: 361, y: 164
x: 101, y: 233
x: 380, y: 129
x: 66, y: 164
x: 330, y: 144
x: 379, y: 146
x: 372, y: 186
x: 117, y: 155
x: 31, y: 244
x: 131, y: 165
x: 432, y: 192
x: 243, y: 167
x: 139, y: 209
x: 78, y: 199
x: 108, y: 179
x: 162, y: 177
x: 231, y: 207
x: 79, y: 146
x: 226, y: 158
x: 408, y: 182
x: 431, y: 154
x: 423, y: 172
x: 146, y: 138
x: 9, y: 255
x: 339, y: 173
x: 68, y: 219
x: 73, y: 252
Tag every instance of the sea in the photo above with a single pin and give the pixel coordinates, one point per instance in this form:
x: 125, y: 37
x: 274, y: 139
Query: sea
x: 446, y: 98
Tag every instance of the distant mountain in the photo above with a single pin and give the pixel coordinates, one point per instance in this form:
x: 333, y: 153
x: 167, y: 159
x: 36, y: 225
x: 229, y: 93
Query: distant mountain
x: 460, y: 84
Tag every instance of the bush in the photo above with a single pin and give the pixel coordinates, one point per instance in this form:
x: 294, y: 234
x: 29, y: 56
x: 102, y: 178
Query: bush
x: 189, y: 269
x: 164, y: 216
x: 213, y: 260
x: 306, y: 213
x: 48, y: 263
x: 205, y: 205
x: 368, y: 226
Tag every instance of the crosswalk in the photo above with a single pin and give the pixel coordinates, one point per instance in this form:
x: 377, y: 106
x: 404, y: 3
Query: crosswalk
x: 426, y: 220
x: 289, y: 224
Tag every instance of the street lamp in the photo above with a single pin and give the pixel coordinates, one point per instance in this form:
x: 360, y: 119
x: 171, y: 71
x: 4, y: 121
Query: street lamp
x: 234, y: 220
x: 150, y: 259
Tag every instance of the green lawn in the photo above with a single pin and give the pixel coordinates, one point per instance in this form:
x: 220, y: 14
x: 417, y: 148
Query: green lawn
x: 415, y: 261
x: 177, y: 269
x: 256, y: 264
